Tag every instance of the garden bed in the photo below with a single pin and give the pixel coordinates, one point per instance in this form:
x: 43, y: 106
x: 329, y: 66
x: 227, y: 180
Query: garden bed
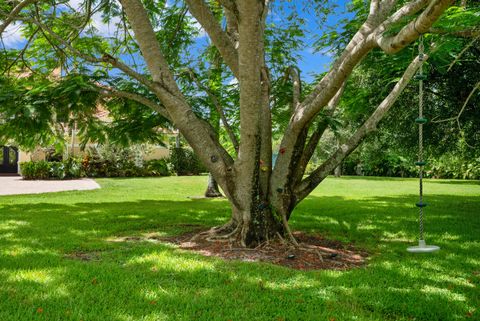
x: 314, y: 252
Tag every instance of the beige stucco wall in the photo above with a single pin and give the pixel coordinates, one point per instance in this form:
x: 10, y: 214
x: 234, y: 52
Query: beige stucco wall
x: 157, y: 153
x: 36, y: 155
x: 24, y: 156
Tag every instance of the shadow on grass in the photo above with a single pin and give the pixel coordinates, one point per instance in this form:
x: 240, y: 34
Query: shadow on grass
x: 455, y: 182
x: 401, y: 179
x: 376, y: 218
x: 144, y: 281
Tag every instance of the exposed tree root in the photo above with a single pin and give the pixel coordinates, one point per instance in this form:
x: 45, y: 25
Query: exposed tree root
x: 213, y: 194
x: 225, y: 237
x: 288, y: 231
x: 310, y: 252
x: 216, y: 231
x: 233, y: 233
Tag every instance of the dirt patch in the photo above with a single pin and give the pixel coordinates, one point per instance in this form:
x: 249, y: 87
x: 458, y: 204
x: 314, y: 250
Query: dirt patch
x: 315, y: 252
x: 156, y: 237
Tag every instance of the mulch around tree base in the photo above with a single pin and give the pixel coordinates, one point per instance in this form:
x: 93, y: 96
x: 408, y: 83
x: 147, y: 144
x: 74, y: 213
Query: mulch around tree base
x: 315, y: 252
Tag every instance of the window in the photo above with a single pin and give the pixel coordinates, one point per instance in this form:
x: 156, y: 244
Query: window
x: 12, y: 156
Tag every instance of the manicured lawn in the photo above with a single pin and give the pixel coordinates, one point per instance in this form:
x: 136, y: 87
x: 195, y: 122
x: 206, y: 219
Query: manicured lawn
x: 151, y: 281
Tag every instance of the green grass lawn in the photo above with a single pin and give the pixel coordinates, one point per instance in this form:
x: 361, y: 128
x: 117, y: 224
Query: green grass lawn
x: 151, y: 281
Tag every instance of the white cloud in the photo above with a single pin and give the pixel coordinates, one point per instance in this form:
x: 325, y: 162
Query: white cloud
x: 12, y: 36
x: 201, y: 32
x: 233, y: 81
x: 75, y: 4
x: 105, y: 29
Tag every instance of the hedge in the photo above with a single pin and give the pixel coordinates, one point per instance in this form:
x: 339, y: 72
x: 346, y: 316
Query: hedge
x: 87, y: 167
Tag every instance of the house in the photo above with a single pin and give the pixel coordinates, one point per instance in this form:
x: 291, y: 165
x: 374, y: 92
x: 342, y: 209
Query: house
x: 11, y: 156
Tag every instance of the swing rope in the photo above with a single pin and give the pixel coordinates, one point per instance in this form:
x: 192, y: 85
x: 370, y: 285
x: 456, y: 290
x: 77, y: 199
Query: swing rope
x: 420, y: 133
x: 422, y: 247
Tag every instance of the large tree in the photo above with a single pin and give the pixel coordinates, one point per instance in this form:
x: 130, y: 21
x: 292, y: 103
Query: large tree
x: 262, y: 194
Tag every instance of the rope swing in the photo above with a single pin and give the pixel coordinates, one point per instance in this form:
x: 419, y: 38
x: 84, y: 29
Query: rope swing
x: 422, y: 246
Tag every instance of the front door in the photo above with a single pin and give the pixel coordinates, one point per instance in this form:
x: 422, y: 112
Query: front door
x: 8, y: 159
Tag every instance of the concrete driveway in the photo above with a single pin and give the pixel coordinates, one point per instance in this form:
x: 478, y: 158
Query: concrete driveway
x: 16, y: 185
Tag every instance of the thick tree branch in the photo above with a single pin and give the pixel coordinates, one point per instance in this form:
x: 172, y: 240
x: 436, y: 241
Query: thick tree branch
x: 149, y: 46
x: 14, y: 13
x: 323, y: 92
x: 414, y: 29
x: 231, y: 17
x: 312, y: 142
x: 319, y: 174
x: 408, y: 9
x: 302, y: 117
x: 296, y: 86
x: 361, y: 44
x: 198, y: 133
x: 200, y: 10
x: 379, y: 10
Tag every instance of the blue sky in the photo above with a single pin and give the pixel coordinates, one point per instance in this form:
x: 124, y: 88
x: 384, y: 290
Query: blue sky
x: 315, y: 62
x: 311, y: 62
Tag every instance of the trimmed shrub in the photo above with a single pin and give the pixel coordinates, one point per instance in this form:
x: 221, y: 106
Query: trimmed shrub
x: 157, y: 167
x: 74, y: 168
x: 35, y: 170
x: 67, y: 169
x: 114, y: 161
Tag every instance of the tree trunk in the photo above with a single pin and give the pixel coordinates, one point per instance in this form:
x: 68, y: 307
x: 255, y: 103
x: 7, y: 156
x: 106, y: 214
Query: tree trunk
x: 177, y: 140
x: 212, y: 187
x: 256, y: 224
x: 256, y: 218
x: 338, y: 171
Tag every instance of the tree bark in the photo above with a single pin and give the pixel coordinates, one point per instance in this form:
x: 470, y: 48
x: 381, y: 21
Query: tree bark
x: 212, y: 188
x: 338, y: 171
